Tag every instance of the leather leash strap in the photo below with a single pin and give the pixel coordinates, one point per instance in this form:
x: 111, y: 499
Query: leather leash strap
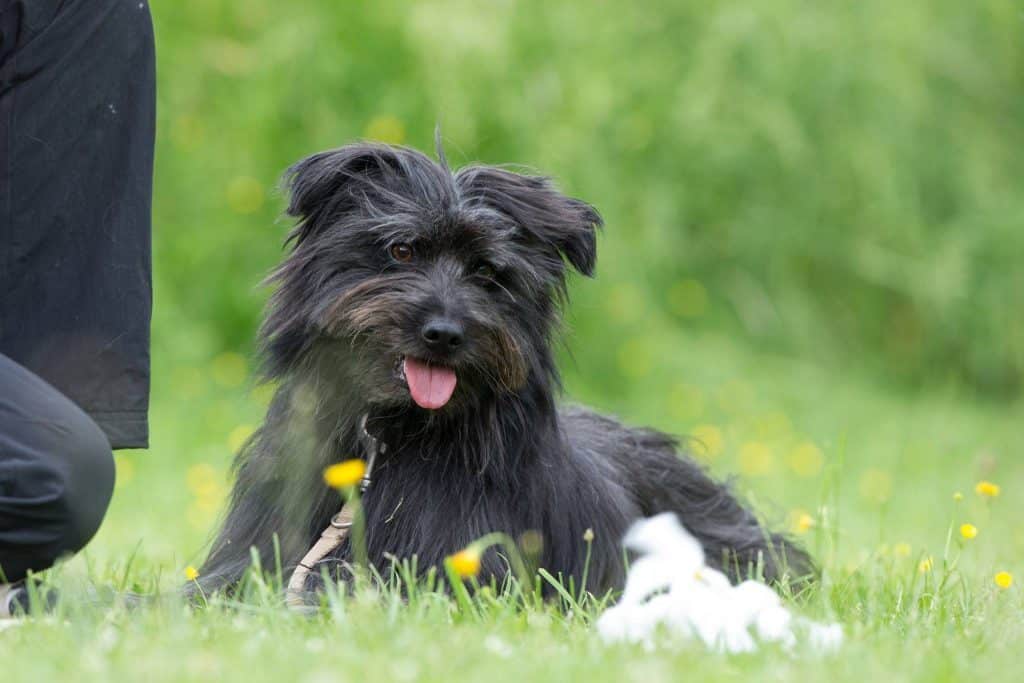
x: 336, y: 532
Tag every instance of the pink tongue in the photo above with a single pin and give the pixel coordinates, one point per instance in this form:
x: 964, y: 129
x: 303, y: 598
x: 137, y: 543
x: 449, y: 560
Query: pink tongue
x: 431, y: 386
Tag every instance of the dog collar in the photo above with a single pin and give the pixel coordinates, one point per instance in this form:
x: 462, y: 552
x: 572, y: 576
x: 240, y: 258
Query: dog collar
x: 341, y: 523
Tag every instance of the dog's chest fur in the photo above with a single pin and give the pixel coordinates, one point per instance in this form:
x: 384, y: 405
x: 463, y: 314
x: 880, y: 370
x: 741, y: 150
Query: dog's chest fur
x: 432, y: 496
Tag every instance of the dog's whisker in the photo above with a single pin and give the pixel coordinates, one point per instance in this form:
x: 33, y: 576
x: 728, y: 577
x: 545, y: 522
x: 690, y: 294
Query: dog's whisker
x: 503, y: 288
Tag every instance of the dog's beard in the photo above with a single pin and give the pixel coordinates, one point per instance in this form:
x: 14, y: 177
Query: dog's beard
x: 374, y: 344
x: 387, y: 378
x: 386, y: 369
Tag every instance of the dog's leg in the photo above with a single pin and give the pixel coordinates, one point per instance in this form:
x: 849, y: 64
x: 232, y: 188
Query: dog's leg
x: 249, y: 524
x: 256, y: 516
x: 278, y: 504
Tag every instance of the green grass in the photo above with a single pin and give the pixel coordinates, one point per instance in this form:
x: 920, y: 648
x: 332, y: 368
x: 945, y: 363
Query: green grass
x: 882, y: 500
x: 835, y: 181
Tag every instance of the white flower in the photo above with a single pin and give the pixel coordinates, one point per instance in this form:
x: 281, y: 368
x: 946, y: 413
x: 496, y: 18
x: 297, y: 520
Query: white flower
x: 669, y: 587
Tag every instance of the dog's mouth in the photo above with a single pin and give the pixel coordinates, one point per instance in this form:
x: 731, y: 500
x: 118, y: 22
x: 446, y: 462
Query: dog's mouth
x: 430, y: 385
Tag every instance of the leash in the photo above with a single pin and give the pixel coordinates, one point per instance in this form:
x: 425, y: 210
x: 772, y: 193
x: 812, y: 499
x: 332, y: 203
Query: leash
x: 338, y: 530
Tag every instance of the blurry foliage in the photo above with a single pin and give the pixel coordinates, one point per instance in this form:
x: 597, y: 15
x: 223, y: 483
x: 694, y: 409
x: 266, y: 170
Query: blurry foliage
x: 836, y: 180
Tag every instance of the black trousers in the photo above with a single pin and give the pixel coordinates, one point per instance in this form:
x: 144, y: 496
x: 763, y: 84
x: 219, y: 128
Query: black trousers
x: 77, y: 125
x: 56, y: 474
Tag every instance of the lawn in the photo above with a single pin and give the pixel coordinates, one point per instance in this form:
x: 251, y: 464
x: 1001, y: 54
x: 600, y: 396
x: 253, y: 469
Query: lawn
x: 811, y: 263
x: 865, y: 476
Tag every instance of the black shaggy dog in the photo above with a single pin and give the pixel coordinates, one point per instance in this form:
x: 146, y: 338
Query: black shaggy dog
x: 425, y: 300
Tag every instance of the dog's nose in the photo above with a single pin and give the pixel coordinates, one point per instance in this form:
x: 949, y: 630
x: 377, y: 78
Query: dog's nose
x: 442, y: 335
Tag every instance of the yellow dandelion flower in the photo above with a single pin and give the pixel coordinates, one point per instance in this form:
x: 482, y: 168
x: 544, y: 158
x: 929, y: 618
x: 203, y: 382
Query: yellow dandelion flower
x: 187, y: 131
x: 263, y: 393
x: 626, y: 303
x: 987, y: 489
x: 876, y: 486
x: 958, y: 496
x: 345, y: 474
x: 386, y: 128
x: 125, y: 469
x: 245, y: 195
x: 686, y: 402
x: 229, y: 369
x: 901, y: 550
x: 1004, y: 579
x: 465, y: 563
x: 531, y: 542
x: 204, y: 480
x: 806, y: 460
x: 968, y: 531
x: 191, y: 573
x: 636, y: 358
x: 804, y: 523
x: 772, y: 425
x: 756, y: 459
x: 688, y: 298
x: 708, y: 441
x: 188, y: 382
x: 238, y: 436
x: 199, y: 517
x: 925, y: 565
x: 229, y: 57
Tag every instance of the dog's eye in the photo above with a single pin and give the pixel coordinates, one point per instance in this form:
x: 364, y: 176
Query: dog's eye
x: 401, y: 252
x: 484, y: 270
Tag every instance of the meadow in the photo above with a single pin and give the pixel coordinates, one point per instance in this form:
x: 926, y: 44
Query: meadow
x: 866, y: 478
x: 811, y: 265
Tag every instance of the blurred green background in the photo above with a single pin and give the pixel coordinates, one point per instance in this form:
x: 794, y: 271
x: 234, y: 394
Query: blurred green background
x: 839, y: 181
x: 813, y: 253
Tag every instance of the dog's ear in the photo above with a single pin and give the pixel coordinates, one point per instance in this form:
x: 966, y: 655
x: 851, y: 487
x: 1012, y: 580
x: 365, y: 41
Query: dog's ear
x: 331, y: 182
x: 534, y: 203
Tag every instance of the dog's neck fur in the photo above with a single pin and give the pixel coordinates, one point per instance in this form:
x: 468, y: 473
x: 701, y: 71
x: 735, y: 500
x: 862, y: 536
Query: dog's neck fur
x: 433, y: 462
x: 485, y: 439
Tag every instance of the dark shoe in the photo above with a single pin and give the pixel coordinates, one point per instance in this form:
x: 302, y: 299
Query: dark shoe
x: 16, y: 600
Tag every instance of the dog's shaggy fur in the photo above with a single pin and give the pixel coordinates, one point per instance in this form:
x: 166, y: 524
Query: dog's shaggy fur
x: 387, y: 242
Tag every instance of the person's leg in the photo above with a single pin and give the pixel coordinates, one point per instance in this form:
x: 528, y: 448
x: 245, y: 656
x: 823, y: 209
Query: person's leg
x: 56, y: 474
x: 77, y: 112
x: 77, y: 115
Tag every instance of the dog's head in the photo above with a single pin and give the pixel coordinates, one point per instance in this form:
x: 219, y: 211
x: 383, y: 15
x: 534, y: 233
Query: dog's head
x: 423, y: 286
